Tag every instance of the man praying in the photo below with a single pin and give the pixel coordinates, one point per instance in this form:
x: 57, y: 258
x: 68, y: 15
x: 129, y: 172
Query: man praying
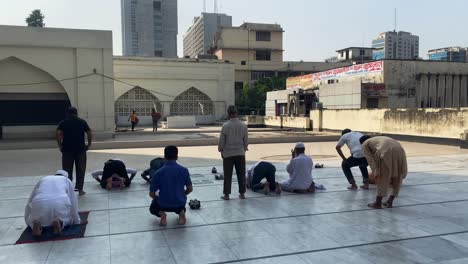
x: 387, y: 159
x: 258, y: 172
x: 300, y: 172
x: 52, y: 203
x: 114, y: 170
x: 170, y: 186
x: 351, y: 139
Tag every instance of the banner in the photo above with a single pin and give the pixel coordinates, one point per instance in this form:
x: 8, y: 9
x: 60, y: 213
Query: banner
x: 306, y: 81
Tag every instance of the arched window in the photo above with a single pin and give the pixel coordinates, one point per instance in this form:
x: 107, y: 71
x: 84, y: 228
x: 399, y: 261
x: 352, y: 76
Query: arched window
x: 139, y: 100
x: 192, y: 102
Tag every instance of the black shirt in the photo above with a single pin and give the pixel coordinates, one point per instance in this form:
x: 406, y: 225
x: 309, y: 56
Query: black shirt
x: 73, y: 129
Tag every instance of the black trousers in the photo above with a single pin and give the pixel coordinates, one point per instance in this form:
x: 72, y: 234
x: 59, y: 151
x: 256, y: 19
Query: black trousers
x: 264, y: 170
x: 79, y: 161
x: 228, y: 164
x: 112, y: 167
x: 155, y: 208
x: 133, y: 125
x: 353, y: 162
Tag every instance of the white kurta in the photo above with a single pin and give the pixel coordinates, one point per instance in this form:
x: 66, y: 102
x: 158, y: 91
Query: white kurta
x: 53, y: 198
x: 300, y: 174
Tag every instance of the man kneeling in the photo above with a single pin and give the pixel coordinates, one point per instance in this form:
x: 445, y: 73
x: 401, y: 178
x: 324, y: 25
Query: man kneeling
x: 300, y: 172
x: 52, y: 203
x: 114, y: 169
x: 174, y: 184
x: 258, y: 172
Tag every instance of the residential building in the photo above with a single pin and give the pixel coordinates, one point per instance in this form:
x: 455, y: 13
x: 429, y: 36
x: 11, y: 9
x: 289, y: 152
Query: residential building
x: 257, y: 52
x: 355, y: 54
x: 455, y: 54
x: 389, y: 84
x: 149, y: 28
x: 396, y: 45
x: 200, y: 35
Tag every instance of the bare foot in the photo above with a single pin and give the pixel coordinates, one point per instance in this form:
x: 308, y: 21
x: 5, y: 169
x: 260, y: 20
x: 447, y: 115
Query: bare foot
x: 182, y: 218
x: 242, y: 196
x: 37, y: 228
x: 353, y: 187
x: 266, y: 188
x: 311, y: 188
x: 81, y: 192
x: 278, y: 188
x: 122, y: 183
x: 225, y: 197
x: 375, y: 206
x: 163, y: 221
x: 365, y: 186
x: 57, y: 227
x: 109, y: 184
x: 389, y: 202
x: 83, y: 222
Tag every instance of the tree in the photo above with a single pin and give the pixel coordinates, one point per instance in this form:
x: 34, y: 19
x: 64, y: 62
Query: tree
x: 253, y: 97
x: 35, y: 19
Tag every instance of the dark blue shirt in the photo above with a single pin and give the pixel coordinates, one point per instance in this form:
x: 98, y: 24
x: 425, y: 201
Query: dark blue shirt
x: 171, y: 181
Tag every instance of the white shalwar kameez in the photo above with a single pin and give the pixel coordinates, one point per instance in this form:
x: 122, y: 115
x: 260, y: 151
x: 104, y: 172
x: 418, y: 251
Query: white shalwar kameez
x: 53, y: 198
x: 300, y: 174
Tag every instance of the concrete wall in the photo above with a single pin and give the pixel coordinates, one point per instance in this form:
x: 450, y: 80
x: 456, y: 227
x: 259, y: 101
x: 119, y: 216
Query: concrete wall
x: 62, y: 54
x: 438, y: 123
x: 288, y: 122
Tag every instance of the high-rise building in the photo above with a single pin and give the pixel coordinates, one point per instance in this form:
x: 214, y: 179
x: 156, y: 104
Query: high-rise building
x: 149, y: 28
x: 455, y: 54
x: 396, y: 45
x: 199, y: 37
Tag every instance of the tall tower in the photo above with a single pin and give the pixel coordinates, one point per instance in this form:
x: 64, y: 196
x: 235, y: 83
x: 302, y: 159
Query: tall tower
x: 149, y: 28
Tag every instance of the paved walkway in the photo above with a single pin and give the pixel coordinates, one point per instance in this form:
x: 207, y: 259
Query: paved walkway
x: 428, y: 225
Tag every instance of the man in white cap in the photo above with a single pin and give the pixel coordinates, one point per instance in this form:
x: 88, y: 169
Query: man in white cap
x: 52, y: 203
x: 300, y: 172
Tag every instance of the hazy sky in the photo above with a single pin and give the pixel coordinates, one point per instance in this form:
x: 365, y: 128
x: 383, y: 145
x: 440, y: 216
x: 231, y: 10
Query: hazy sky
x: 314, y: 29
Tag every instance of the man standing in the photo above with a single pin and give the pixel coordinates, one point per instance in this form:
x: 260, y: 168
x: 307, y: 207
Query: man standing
x: 259, y: 171
x: 71, y: 142
x: 233, y: 143
x: 52, y: 203
x: 351, y: 139
x: 387, y: 159
x: 174, y: 184
x: 300, y: 172
x: 155, y: 116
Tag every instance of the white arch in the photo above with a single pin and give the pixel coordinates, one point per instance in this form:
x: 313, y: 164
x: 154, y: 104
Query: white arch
x: 192, y: 102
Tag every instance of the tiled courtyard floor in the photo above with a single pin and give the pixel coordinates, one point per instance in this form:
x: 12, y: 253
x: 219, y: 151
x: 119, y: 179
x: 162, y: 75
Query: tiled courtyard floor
x: 428, y: 225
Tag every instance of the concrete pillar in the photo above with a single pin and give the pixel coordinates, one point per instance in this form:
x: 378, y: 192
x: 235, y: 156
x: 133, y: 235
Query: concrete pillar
x: 449, y: 91
x: 456, y: 91
x: 464, y: 91
x: 423, y: 91
x: 432, y: 91
x: 442, y: 90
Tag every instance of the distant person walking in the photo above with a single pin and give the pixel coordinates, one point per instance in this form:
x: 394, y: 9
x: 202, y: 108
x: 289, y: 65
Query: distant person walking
x: 155, y: 116
x: 71, y: 142
x: 233, y: 143
x: 133, y: 119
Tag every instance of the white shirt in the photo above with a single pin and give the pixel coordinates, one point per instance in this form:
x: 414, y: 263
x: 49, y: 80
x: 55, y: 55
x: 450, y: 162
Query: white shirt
x: 300, y: 173
x: 351, y: 139
x: 53, y: 198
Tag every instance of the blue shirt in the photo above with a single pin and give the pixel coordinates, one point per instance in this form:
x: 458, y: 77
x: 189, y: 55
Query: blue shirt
x: 170, y: 181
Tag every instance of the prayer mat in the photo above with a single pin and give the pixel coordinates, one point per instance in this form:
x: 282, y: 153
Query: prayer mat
x: 69, y: 232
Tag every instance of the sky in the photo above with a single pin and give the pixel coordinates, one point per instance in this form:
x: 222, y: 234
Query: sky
x: 314, y: 29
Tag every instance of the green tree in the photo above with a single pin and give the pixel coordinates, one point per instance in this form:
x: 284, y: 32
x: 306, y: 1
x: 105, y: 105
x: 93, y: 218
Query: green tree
x: 35, y: 19
x: 253, y: 96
